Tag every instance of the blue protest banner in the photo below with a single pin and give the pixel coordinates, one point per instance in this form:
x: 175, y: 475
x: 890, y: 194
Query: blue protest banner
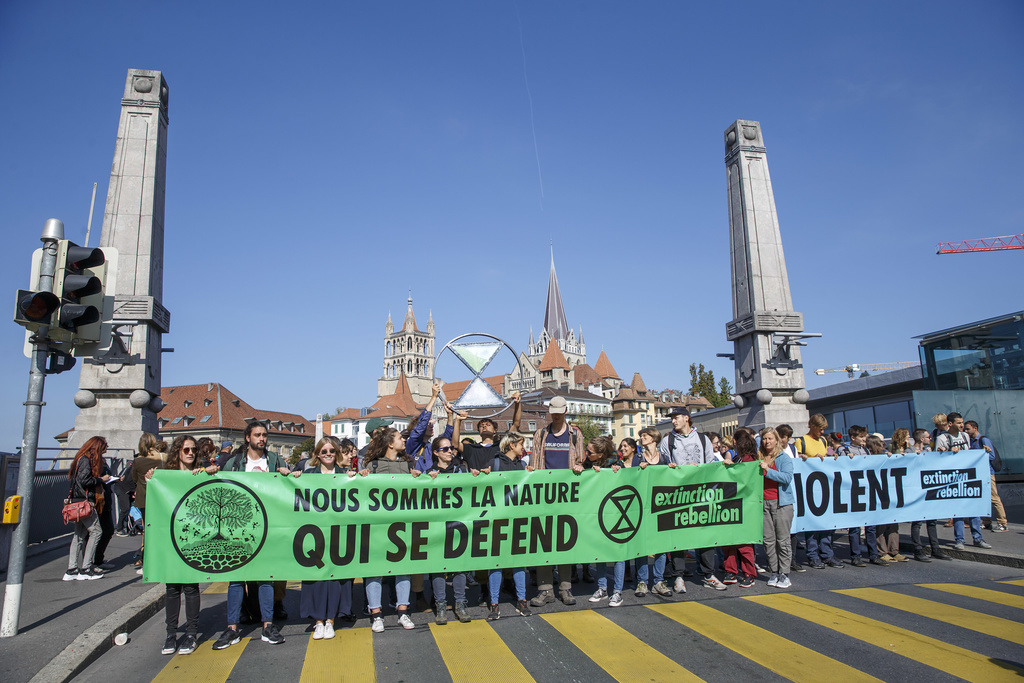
x: 875, y: 489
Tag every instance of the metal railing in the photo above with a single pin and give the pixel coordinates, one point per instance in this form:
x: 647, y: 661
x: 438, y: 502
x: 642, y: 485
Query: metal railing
x: 117, y: 458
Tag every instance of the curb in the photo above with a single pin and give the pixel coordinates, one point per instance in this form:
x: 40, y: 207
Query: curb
x: 88, y: 647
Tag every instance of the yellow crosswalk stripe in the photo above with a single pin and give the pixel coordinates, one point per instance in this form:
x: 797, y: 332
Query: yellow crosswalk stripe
x: 204, y: 665
x: 218, y: 587
x: 781, y: 655
x: 629, y: 659
x: 1016, y: 582
x: 998, y: 597
x: 951, y: 659
x: 958, y: 616
x: 465, y: 648
x: 348, y: 656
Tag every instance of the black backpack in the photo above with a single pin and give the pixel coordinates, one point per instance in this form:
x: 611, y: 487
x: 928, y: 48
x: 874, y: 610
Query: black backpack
x: 705, y: 444
x: 997, y: 462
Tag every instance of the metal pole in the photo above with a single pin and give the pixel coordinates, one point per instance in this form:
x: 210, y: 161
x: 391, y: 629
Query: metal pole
x: 92, y: 205
x: 52, y: 232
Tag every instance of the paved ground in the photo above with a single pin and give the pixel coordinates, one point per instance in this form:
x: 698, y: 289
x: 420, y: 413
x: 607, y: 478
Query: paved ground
x: 65, y: 625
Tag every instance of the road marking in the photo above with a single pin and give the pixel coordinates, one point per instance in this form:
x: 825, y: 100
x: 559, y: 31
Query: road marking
x: 204, y: 665
x: 624, y: 656
x: 348, y: 656
x: 998, y: 597
x: 781, y: 655
x: 1017, y: 582
x: 466, y: 648
x: 951, y: 659
x: 218, y: 587
x: 957, y: 616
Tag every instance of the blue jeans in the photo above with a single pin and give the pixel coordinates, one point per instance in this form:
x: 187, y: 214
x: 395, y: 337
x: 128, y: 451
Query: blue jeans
x: 236, y: 592
x: 642, y: 568
x: 619, y: 569
x: 373, y: 591
x: 958, y: 529
x: 870, y: 538
x: 819, y: 546
x: 494, y: 583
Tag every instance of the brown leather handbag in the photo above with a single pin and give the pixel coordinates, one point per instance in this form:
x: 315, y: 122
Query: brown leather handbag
x: 73, y: 512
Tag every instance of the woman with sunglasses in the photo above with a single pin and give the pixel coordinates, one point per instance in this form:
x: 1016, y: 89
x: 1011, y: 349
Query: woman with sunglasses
x: 649, y: 455
x: 511, y: 449
x: 322, y: 601
x: 444, y: 462
x: 601, y: 453
x: 183, y: 456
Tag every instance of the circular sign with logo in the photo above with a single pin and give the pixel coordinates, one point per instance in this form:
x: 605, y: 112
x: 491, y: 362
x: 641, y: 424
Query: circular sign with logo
x: 218, y: 526
x: 620, y: 513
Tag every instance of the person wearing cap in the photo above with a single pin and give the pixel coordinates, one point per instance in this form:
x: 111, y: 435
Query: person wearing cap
x: 557, y: 446
x: 373, y: 425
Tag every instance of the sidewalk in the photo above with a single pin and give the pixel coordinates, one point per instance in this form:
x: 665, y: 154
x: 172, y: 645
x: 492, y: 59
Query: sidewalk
x: 66, y: 625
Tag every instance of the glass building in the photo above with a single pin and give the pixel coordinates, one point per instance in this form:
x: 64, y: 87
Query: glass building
x: 982, y: 355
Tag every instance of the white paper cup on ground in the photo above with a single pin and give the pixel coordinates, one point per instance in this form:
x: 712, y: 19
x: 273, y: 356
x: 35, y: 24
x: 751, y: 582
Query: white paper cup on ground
x: 121, y: 639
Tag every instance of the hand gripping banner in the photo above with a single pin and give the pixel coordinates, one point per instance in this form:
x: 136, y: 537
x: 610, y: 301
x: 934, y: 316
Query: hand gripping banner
x: 250, y: 526
x: 875, y: 489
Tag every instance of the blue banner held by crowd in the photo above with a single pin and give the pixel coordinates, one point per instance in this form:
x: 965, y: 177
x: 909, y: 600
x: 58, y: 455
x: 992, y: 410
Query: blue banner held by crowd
x: 875, y: 489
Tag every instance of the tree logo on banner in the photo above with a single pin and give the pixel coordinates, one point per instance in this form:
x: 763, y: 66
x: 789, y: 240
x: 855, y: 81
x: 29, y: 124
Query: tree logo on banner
x: 218, y: 526
x: 620, y: 514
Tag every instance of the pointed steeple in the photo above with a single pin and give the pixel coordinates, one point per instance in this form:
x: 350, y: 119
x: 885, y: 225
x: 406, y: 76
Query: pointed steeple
x: 531, y: 335
x: 604, y: 368
x: 389, y: 327
x: 554, y: 312
x: 430, y: 322
x: 410, y: 319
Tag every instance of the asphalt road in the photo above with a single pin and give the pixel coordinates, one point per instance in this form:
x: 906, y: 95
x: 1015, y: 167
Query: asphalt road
x: 842, y: 625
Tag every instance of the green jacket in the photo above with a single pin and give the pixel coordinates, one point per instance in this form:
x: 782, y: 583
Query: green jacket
x: 237, y: 462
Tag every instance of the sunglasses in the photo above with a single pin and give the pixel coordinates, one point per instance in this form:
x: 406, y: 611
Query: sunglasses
x: 188, y: 450
x: 446, y: 449
x: 328, y: 451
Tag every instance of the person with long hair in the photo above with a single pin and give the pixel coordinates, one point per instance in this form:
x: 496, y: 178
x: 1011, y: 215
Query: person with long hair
x: 778, y: 507
x: 901, y: 441
x: 386, y: 455
x: 739, y: 559
x: 601, y: 453
x: 512, y: 448
x: 650, y: 454
x: 87, y: 478
x: 322, y: 601
x: 150, y: 457
x: 443, y: 461
x: 629, y: 452
x: 183, y: 456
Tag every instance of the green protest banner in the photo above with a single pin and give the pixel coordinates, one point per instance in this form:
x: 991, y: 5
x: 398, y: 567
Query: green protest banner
x: 248, y: 526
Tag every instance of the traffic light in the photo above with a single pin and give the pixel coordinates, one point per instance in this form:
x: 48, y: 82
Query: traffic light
x: 34, y: 309
x: 78, y: 281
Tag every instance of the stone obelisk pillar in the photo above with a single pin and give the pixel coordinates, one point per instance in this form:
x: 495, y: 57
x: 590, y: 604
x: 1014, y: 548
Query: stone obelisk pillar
x: 769, y: 372
x: 119, y: 389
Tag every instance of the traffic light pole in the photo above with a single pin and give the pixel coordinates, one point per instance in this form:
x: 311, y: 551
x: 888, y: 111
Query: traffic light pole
x: 52, y: 233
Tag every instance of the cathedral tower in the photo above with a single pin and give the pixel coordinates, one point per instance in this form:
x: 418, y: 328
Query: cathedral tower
x: 408, y: 350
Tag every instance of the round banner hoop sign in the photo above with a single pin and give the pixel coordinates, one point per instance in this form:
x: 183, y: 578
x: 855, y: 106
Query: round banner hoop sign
x: 476, y: 350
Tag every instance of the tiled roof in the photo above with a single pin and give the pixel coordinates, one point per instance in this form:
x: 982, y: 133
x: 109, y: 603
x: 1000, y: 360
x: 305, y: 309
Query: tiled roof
x: 398, y: 404
x: 452, y: 390
x: 187, y: 406
x: 638, y: 383
x: 604, y: 368
x: 586, y: 375
x: 553, y: 358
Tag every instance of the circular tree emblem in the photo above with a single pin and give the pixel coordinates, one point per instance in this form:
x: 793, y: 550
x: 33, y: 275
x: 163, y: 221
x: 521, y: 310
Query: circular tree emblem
x: 620, y: 513
x: 218, y: 526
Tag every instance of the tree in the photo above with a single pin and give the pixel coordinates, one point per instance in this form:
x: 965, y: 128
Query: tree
x: 306, y: 446
x: 702, y: 383
x: 220, y: 507
x: 724, y: 391
x: 588, y: 427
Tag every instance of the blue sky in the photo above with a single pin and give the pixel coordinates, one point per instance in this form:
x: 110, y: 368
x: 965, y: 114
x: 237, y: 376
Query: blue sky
x: 324, y: 158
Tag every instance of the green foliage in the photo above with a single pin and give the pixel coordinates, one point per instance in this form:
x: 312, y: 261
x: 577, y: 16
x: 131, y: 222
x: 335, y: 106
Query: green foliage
x: 702, y: 383
x: 304, y: 448
x: 588, y: 427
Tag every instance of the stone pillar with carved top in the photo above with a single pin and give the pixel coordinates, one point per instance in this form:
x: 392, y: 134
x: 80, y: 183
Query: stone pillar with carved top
x: 769, y: 373
x: 119, y: 389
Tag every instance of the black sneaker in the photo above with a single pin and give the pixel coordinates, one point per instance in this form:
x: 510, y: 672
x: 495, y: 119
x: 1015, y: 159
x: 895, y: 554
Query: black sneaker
x: 170, y: 646
x: 817, y: 565
x: 730, y: 578
x: 798, y: 568
x: 271, y: 634
x: 879, y: 562
x: 188, y: 646
x: 494, y: 614
x: 939, y: 555
x: 920, y: 556
x: 835, y: 564
x: 746, y: 582
x: 90, y: 574
x: 858, y: 561
x: 523, y: 609
x: 227, y: 639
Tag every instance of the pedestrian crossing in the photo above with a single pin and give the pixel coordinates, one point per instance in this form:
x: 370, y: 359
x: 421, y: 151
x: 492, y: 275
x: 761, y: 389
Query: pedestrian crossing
x: 863, y: 634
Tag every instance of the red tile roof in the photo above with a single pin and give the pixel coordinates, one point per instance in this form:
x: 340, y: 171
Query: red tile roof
x: 452, y: 390
x: 191, y: 403
x: 638, y: 383
x: 604, y: 368
x: 398, y: 404
x: 586, y: 375
x: 553, y: 358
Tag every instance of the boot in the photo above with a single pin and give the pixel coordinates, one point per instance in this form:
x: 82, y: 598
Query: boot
x: 442, y: 613
x: 462, y: 612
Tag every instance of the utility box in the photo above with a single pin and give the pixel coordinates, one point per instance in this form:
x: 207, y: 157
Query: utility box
x: 12, y: 510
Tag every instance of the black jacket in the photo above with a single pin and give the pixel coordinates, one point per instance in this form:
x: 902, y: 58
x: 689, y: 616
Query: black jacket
x: 84, y: 485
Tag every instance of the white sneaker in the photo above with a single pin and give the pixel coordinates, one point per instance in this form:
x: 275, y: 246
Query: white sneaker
x: 679, y: 585
x: 328, y: 631
x: 616, y: 599
x: 774, y: 580
x: 318, y: 632
x: 599, y: 595
x: 377, y: 624
x: 406, y: 622
x: 784, y: 581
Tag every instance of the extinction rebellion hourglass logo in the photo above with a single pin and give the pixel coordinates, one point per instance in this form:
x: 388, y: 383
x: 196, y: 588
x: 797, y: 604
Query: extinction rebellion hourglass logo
x: 218, y: 526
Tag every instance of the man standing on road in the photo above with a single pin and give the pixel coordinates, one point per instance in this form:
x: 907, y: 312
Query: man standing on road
x: 813, y: 445
x: 955, y: 439
x: 254, y: 458
x: 983, y: 442
x: 684, y: 445
x: 557, y: 446
x: 922, y: 445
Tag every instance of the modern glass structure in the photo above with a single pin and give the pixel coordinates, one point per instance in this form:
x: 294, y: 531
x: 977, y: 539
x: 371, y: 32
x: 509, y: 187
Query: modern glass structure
x: 984, y: 355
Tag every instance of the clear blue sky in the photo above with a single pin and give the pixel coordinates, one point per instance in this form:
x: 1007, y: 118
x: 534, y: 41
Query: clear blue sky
x: 324, y: 158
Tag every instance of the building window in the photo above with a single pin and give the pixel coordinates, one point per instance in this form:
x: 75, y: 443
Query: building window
x: 207, y: 402
x: 206, y: 418
x: 533, y: 425
x: 188, y: 403
x: 631, y: 431
x: 175, y: 420
x: 469, y: 426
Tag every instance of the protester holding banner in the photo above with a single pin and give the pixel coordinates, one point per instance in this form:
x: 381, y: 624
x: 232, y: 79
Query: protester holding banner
x: 777, y: 470
x: 386, y: 455
x: 443, y: 462
x: 955, y: 439
x: 510, y: 459
x: 418, y: 445
x: 887, y: 535
x: 556, y: 446
x: 324, y: 601
x: 629, y: 452
x: 739, y: 559
x: 650, y: 454
x: 183, y: 456
x: 254, y: 457
x: 813, y: 445
x: 601, y: 453
x: 870, y: 547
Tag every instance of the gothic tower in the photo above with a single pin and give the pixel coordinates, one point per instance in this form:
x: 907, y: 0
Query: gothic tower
x: 556, y: 329
x: 408, y: 350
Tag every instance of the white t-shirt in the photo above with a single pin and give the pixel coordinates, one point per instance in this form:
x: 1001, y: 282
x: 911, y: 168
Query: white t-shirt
x: 946, y: 441
x: 260, y: 465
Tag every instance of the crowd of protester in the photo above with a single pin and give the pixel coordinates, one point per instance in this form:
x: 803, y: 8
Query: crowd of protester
x: 557, y: 445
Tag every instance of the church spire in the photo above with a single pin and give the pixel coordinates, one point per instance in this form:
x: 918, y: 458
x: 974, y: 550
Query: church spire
x: 554, y: 312
x: 410, y: 319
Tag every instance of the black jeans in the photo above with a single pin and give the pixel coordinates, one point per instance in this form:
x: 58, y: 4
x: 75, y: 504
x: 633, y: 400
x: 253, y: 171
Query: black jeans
x: 933, y: 535
x: 172, y: 606
x: 106, y: 530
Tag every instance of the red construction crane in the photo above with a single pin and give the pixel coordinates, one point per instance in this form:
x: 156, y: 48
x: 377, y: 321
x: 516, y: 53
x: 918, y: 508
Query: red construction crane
x: 986, y: 244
